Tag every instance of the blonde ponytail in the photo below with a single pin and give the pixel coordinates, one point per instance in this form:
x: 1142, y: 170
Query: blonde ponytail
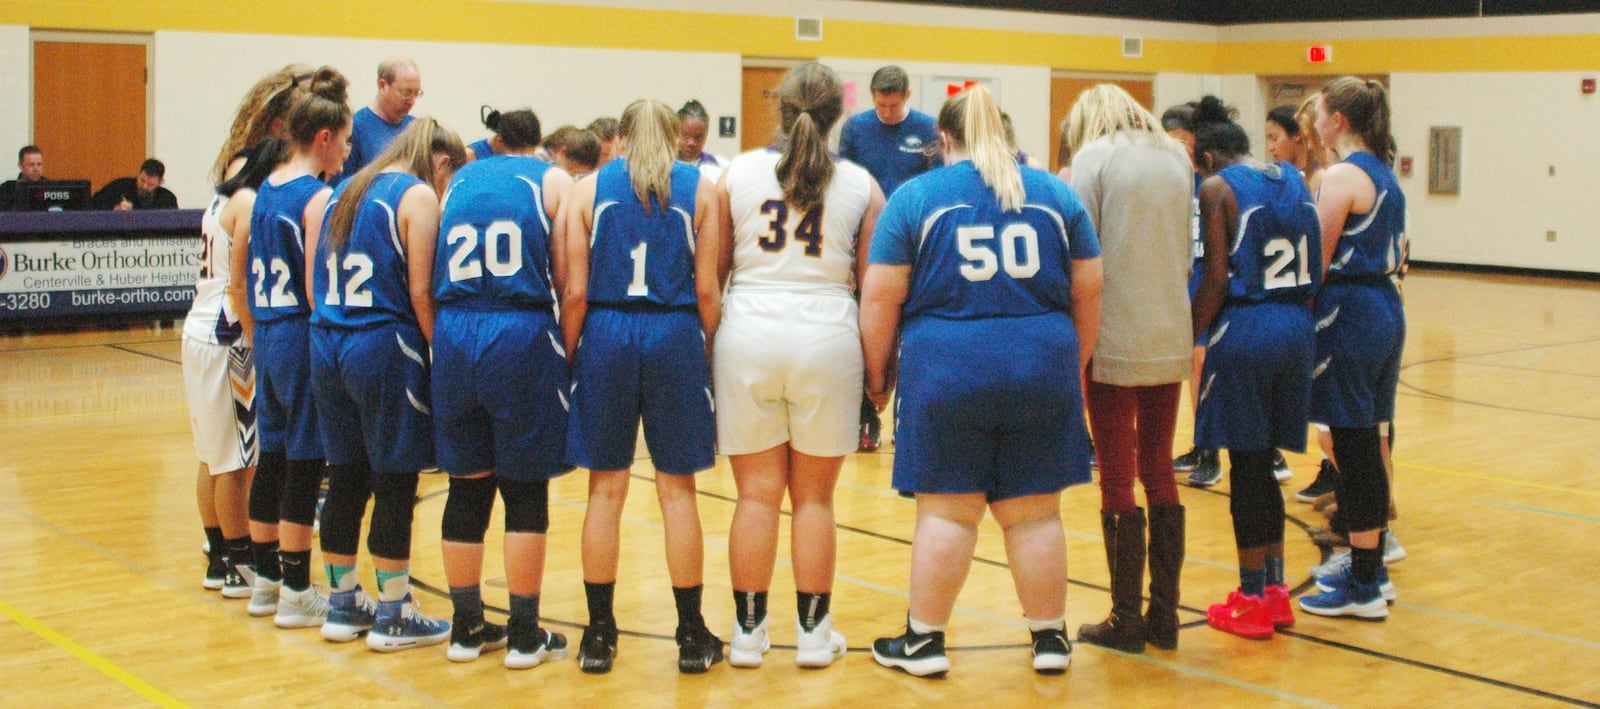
x: 974, y: 116
x: 651, y: 129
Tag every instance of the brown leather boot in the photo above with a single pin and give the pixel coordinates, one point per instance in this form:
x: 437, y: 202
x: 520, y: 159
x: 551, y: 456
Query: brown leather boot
x: 1166, y: 563
x: 1124, y: 629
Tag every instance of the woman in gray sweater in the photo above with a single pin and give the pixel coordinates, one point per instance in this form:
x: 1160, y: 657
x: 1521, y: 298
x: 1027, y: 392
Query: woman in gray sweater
x: 1136, y: 183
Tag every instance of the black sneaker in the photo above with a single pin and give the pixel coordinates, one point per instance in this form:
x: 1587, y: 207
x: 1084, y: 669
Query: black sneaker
x: 1208, y: 471
x: 1327, y: 477
x: 470, y: 637
x: 531, y: 645
x: 914, y: 653
x: 597, y: 649
x: 698, y: 649
x: 216, y: 571
x: 1187, y: 461
x: 1052, y: 652
x: 234, y: 582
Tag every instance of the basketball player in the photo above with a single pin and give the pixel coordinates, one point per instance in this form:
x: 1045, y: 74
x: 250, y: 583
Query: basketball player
x: 283, y: 497
x: 370, y: 331
x: 1263, y: 256
x: 1358, y: 349
x: 797, y: 227
x: 642, y: 293
x: 488, y: 146
x: 219, y: 375
x: 500, y: 382
x: 692, y: 125
x: 985, y: 262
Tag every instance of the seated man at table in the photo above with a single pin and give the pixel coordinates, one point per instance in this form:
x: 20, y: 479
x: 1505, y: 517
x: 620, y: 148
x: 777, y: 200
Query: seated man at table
x: 30, y: 163
x: 141, y: 192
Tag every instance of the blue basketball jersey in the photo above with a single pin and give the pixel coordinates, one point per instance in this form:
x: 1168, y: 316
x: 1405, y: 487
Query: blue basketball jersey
x: 971, y: 260
x: 1277, y: 252
x: 277, y: 249
x: 366, y: 283
x: 637, y: 257
x: 494, y: 237
x: 1371, y: 243
x: 482, y: 149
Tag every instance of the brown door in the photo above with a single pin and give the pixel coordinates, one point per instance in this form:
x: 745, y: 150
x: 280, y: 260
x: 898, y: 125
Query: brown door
x: 759, y: 109
x: 89, y: 109
x: 1064, y: 92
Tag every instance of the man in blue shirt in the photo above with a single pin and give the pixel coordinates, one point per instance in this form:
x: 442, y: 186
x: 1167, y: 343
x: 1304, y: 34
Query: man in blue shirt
x: 893, y: 141
x: 374, y: 127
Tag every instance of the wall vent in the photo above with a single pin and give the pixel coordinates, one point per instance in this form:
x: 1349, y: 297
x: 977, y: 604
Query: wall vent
x: 808, y: 28
x: 1133, y: 46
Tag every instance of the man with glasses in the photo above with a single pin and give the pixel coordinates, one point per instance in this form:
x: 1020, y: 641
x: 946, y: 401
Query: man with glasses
x: 399, y: 85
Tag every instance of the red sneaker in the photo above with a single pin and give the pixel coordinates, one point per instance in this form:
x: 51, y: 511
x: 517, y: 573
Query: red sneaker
x: 1244, y: 616
x: 1278, y: 607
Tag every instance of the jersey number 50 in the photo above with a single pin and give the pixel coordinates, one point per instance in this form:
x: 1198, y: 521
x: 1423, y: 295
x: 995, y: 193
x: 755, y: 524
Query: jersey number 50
x: 504, y: 235
x: 978, y: 246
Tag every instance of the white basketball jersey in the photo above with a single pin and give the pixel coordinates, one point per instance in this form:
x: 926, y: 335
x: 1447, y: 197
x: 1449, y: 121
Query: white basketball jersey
x: 779, y: 248
x: 211, y: 318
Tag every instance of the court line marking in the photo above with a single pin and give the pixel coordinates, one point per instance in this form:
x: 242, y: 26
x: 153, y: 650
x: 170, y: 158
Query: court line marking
x: 312, y: 642
x: 1540, y: 510
x: 1498, y: 479
x: 1490, y: 623
x: 4, y: 350
x: 88, y: 414
x: 90, y: 657
x: 142, y: 353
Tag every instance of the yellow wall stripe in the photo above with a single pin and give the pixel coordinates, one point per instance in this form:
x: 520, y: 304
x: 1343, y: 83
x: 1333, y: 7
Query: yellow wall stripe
x: 105, y: 666
x: 500, y: 22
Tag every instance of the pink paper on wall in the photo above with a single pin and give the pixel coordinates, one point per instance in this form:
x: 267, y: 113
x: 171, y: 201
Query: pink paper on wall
x: 849, y: 95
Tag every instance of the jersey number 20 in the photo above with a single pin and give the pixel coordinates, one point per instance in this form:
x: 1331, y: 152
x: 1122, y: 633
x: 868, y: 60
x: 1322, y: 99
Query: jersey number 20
x: 464, y: 262
x: 1018, y: 249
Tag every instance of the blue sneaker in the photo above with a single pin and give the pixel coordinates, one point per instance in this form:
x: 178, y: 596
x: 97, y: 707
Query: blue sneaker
x: 350, y: 613
x: 1385, y: 586
x: 400, y: 626
x: 1347, y: 597
x: 916, y: 654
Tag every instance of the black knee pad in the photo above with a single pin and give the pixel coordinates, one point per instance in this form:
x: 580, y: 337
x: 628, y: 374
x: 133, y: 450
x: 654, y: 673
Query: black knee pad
x: 1255, y: 501
x: 527, y: 505
x: 299, y: 501
x: 349, y: 486
x: 1363, y: 488
x: 394, y: 499
x: 266, y: 489
x: 466, y: 510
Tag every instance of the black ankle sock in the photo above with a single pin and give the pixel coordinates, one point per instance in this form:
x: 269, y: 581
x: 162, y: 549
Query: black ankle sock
x: 468, y: 603
x: 688, y: 600
x: 236, y: 551
x: 812, y: 607
x: 599, y: 597
x: 750, y: 607
x: 296, y: 569
x: 215, y: 541
x: 525, y: 609
x: 1364, y: 563
x: 266, y: 558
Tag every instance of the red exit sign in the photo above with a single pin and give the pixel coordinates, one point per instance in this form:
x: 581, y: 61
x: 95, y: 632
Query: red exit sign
x: 1319, y: 53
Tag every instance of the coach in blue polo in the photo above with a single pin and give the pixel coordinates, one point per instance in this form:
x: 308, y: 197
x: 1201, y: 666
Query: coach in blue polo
x: 375, y: 126
x: 893, y: 141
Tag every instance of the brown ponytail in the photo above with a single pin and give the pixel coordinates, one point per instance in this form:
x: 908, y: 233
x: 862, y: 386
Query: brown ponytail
x: 810, y: 101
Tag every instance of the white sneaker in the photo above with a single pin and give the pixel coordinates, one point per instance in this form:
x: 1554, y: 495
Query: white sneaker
x: 301, y: 609
x: 746, y: 648
x: 263, y: 597
x: 1280, y: 468
x: 1336, y: 563
x: 1392, y: 551
x: 820, y: 647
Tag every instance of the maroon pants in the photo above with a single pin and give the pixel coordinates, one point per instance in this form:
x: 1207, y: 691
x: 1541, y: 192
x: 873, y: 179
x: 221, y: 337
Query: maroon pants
x: 1132, y: 429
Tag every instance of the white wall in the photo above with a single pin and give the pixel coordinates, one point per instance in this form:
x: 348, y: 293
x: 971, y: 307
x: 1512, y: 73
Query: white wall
x: 195, y: 99
x: 16, y: 85
x: 1514, y: 128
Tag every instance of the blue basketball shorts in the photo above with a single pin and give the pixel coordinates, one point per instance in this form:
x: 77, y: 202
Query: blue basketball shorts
x: 1361, y: 332
x: 286, y: 408
x: 373, y: 395
x: 1255, y: 390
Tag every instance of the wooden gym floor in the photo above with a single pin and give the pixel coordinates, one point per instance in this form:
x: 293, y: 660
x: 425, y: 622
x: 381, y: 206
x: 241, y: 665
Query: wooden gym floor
x: 1499, y: 411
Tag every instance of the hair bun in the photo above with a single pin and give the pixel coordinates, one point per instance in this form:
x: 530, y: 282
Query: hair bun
x: 328, y: 83
x: 1212, y: 110
x: 490, y: 118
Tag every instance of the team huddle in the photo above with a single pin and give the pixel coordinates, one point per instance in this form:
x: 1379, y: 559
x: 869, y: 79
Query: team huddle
x: 487, y: 312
